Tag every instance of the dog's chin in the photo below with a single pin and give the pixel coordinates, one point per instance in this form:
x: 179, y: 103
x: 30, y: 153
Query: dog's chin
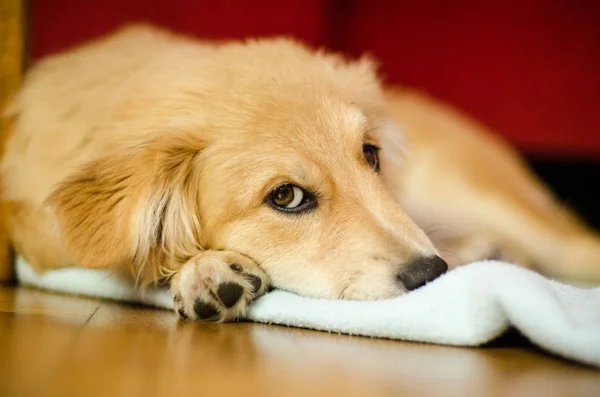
x: 359, y: 292
x: 354, y: 291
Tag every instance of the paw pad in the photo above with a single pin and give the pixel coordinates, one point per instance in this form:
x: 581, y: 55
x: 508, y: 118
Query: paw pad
x: 204, y: 310
x: 230, y: 293
x: 255, y: 281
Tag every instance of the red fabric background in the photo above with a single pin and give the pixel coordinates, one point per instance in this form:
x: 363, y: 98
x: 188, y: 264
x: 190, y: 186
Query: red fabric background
x: 529, y: 68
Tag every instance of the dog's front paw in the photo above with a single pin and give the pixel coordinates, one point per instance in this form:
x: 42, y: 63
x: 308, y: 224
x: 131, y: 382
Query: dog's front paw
x: 217, y: 286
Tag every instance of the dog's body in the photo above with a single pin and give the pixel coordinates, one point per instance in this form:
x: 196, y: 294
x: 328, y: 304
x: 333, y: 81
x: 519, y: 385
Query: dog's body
x: 477, y: 198
x: 225, y: 167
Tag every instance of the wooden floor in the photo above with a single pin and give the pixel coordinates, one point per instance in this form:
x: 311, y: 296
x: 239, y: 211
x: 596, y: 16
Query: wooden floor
x: 53, y: 345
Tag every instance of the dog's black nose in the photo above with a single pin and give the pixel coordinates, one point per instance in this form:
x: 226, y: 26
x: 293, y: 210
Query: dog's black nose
x: 421, y: 270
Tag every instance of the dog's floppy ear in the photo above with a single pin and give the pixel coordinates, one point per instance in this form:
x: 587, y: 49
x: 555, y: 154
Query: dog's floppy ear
x: 136, y: 207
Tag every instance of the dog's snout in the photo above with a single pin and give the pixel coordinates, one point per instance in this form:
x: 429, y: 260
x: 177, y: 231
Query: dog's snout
x: 422, y: 270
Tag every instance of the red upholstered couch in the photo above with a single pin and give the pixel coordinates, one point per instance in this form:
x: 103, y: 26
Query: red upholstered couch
x: 529, y: 68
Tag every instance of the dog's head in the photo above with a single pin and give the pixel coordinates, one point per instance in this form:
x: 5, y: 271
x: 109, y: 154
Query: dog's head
x: 267, y: 149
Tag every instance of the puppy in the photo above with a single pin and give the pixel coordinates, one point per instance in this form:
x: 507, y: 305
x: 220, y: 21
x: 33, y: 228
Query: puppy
x: 223, y: 168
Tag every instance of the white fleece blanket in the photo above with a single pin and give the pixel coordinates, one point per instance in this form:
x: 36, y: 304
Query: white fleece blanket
x: 468, y: 306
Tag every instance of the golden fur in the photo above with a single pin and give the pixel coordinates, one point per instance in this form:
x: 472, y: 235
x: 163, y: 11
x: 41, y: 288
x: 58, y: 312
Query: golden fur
x: 154, y: 152
x: 477, y: 198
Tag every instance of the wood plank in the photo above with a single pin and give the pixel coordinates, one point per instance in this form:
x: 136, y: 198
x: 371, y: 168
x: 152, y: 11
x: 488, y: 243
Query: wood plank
x: 131, y: 351
x: 36, y: 332
x: 12, y: 45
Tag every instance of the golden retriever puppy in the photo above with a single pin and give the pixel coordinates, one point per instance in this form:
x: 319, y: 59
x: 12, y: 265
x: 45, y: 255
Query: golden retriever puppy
x: 224, y: 168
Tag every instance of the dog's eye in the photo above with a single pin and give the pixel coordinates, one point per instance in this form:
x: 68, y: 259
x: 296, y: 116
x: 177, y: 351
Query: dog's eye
x: 371, y: 153
x: 291, y: 198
